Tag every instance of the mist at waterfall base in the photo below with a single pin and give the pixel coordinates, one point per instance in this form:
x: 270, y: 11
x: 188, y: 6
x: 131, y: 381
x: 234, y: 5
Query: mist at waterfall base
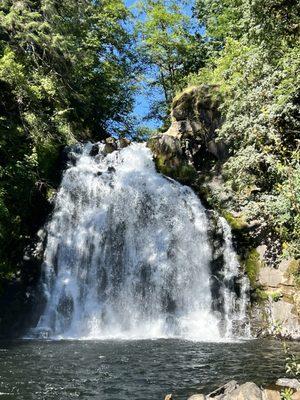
x: 128, y: 256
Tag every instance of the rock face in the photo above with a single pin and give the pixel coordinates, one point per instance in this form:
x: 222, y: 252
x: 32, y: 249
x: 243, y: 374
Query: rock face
x: 21, y: 300
x: 280, y: 303
x: 191, y: 152
x: 189, y: 145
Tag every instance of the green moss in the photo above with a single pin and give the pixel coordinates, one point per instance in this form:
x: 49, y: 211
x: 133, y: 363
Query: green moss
x: 264, y: 295
x: 181, y: 172
x: 275, y: 295
x: 294, y: 271
x: 236, y: 223
x: 261, y: 295
x: 186, y: 173
x: 50, y: 193
x: 252, y: 266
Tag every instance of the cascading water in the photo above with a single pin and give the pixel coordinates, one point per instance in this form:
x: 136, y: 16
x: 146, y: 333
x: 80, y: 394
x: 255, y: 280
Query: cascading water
x: 235, y: 307
x: 127, y: 254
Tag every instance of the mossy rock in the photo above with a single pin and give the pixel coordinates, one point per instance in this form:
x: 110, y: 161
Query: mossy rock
x: 183, y: 173
x: 236, y: 223
x: 252, y: 266
x: 294, y: 271
x: 264, y: 295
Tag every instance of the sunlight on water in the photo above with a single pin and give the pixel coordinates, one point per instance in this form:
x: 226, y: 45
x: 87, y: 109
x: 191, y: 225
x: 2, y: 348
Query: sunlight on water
x: 128, y: 255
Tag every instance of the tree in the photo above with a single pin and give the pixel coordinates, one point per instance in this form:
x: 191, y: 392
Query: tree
x: 65, y: 74
x: 255, y: 62
x: 169, y: 45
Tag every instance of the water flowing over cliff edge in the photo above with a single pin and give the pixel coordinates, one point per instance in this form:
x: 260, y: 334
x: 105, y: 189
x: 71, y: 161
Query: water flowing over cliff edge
x: 128, y: 256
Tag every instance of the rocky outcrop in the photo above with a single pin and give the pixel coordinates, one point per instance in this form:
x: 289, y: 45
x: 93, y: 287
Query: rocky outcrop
x: 191, y: 152
x: 249, y: 391
x: 279, y: 309
x: 190, y: 143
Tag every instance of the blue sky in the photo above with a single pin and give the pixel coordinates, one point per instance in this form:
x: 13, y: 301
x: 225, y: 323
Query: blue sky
x: 143, y: 99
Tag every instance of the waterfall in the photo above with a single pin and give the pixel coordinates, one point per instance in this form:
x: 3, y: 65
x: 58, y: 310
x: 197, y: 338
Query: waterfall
x: 235, y: 306
x: 128, y: 255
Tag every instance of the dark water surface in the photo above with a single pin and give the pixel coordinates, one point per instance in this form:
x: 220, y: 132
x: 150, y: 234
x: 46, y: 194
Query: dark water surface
x: 131, y: 370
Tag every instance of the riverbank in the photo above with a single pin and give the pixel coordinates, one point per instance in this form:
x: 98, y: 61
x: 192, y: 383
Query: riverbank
x: 283, y: 388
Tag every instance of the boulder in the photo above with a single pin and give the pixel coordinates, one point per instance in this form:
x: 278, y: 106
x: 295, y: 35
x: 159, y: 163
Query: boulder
x: 286, y: 382
x: 296, y: 395
x: 224, y: 390
x: 195, y: 112
x: 247, y: 391
x: 269, y: 394
x: 94, y: 150
x: 190, y: 142
x: 197, y: 397
x: 170, y: 158
x: 110, y: 145
x: 124, y: 142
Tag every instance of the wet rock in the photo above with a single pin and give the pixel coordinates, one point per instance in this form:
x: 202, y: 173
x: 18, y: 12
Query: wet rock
x: 169, y: 397
x: 223, y: 390
x: 291, y: 383
x: 170, y: 158
x: 269, y: 394
x: 110, y: 145
x: 95, y: 150
x: 197, y: 397
x: 247, y: 391
x: 124, y: 142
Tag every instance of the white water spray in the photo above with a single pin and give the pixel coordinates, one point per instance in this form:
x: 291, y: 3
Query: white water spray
x: 127, y: 254
x: 235, y: 307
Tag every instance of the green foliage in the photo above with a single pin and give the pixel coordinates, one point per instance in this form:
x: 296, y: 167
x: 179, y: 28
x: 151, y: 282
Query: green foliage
x: 294, y: 271
x: 255, y: 60
x: 236, y: 223
x: 252, y: 267
x: 286, y: 394
x: 169, y: 47
x: 293, y: 365
x: 65, y: 75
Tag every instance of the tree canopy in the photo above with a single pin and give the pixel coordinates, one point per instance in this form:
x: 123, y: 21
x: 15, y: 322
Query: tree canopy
x: 171, y: 46
x: 255, y: 60
x: 66, y: 73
